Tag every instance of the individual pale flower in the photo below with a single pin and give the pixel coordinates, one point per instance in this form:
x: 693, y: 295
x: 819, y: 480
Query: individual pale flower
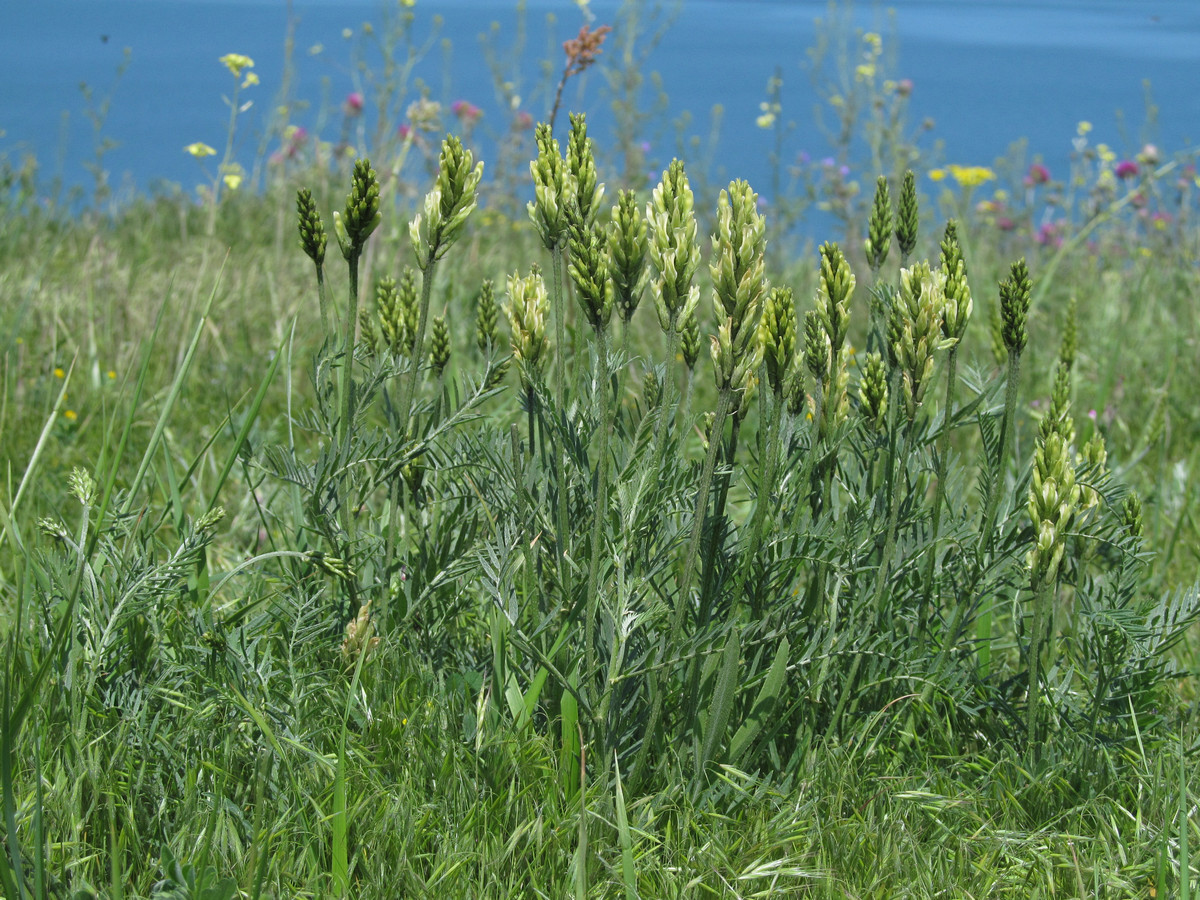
x: 233, y: 176
x: 235, y: 62
x: 199, y: 150
x: 1083, y: 128
x: 1149, y: 155
x: 904, y: 87
x: 250, y: 80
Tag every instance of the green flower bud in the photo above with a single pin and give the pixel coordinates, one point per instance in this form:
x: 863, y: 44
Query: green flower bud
x: 778, y: 336
x: 879, y: 229
x: 387, y: 325
x: 689, y: 340
x: 362, y: 214
x: 588, y: 268
x: 1070, y: 338
x: 908, y: 217
x: 1131, y: 514
x: 651, y: 390
x: 1015, y: 294
x: 793, y: 388
x: 487, y: 335
x: 312, y: 232
x: 581, y: 166
x: 1058, y: 416
x: 873, y: 391
x: 833, y: 296
x: 627, y: 248
x: 439, y: 349
x: 996, y: 330
x: 816, y: 346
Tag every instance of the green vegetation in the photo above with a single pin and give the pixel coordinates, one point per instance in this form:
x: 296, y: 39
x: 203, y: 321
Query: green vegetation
x: 316, y: 580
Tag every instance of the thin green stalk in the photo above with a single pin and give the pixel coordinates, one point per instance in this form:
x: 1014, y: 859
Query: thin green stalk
x: 603, y: 413
x: 893, y: 501
x: 1040, y: 649
x: 943, y: 447
x: 560, y: 413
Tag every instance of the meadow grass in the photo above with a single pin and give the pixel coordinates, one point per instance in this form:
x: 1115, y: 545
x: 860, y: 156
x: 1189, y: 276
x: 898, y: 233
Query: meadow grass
x: 318, y: 580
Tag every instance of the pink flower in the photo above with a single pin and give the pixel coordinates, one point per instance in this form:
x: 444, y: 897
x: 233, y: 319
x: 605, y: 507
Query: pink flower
x: 1038, y: 174
x: 904, y: 87
x: 524, y: 121
x: 1149, y: 155
x: 354, y: 104
x: 405, y: 132
x: 1126, y: 168
x: 1047, y: 235
x: 468, y: 113
x: 1004, y: 223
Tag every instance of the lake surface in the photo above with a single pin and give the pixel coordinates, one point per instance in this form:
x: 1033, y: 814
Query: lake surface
x: 987, y: 72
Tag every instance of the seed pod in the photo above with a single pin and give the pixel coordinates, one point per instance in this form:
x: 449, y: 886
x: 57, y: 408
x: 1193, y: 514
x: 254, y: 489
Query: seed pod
x: 778, y: 336
x: 873, y: 391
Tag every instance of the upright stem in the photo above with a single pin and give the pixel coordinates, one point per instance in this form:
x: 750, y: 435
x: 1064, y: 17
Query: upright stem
x: 603, y: 413
x: 1039, y: 646
x: 889, y: 487
x: 943, y: 447
x: 560, y: 415
x: 346, y: 385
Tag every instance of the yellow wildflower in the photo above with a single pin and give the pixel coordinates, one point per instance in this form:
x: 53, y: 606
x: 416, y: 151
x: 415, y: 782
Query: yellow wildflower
x: 199, y: 150
x: 937, y: 174
x: 235, y: 62
x: 971, y: 176
x: 250, y: 79
x: 58, y: 372
x: 70, y: 415
x: 1083, y: 128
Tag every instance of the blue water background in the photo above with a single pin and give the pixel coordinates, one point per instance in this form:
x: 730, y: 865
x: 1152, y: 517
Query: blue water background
x: 987, y: 72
